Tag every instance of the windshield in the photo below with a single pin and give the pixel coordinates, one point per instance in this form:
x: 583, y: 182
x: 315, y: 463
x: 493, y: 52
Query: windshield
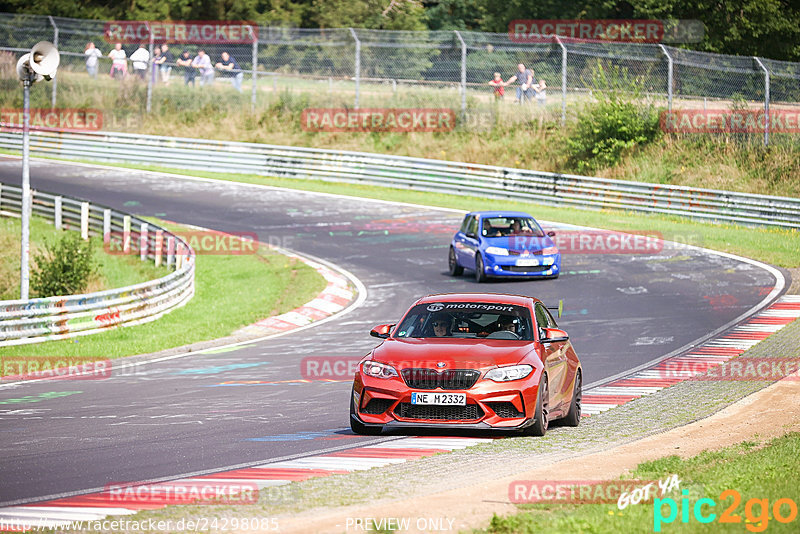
x: 466, y: 320
x: 507, y: 226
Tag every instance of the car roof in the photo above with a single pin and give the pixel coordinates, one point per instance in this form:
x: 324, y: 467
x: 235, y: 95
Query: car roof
x: 500, y: 213
x: 493, y: 298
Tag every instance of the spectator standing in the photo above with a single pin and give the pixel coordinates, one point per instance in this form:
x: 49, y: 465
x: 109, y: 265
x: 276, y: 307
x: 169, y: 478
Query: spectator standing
x: 93, y: 56
x: 154, y: 63
x: 499, y: 86
x: 165, y: 63
x: 185, y: 63
x: 541, y: 92
x: 140, y: 59
x: 231, y: 69
x: 203, y: 65
x: 119, y: 63
x: 525, y: 78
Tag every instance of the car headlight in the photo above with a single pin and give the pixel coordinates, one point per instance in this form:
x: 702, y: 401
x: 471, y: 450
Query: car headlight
x: 511, y: 372
x: 378, y: 370
x: 497, y: 251
x: 550, y: 250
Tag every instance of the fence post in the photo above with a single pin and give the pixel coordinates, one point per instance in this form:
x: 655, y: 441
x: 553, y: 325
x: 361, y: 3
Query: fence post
x: 563, y: 80
x: 669, y: 76
x: 126, y: 234
x: 84, y: 220
x: 170, y: 250
x: 150, y: 65
x: 55, y: 80
x: 106, y: 226
x: 358, y: 64
x: 463, y: 72
x: 766, y: 100
x: 253, y: 96
x: 58, y: 216
x: 159, y: 246
x: 143, y: 241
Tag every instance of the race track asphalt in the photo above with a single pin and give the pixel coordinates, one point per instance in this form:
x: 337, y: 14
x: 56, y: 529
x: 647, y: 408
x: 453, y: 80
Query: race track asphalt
x: 196, y: 413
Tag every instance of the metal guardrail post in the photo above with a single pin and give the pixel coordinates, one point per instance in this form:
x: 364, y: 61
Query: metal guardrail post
x: 106, y: 226
x: 54, y: 90
x: 254, y: 96
x: 84, y: 220
x: 563, y: 80
x: 463, y: 72
x: 58, y: 215
x: 358, y: 64
x: 766, y: 100
x: 669, y: 76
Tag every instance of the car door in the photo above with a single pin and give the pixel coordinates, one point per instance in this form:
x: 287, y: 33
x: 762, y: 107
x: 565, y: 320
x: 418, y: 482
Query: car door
x: 469, y: 242
x: 555, y: 360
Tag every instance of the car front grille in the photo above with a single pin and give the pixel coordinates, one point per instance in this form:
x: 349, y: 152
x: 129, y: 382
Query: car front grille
x: 520, y: 269
x: 470, y: 412
x: 521, y: 252
x: 432, y: 379
x: 377, y: 406
x: 505, y: 410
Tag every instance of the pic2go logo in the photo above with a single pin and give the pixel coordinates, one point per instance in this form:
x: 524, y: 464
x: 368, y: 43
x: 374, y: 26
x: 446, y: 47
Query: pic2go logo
x: 756, y: 511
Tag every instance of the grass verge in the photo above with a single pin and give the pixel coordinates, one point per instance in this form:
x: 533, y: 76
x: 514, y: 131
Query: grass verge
x: 254, y: 287
x: 761, y: 474
x: 779, y: 247
x: 112, y: 271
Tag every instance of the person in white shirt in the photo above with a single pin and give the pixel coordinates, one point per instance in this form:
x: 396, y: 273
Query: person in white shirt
x: 140, y: 59
x: 92, y: 56
x: 119, y: 63
x: 203, y: 64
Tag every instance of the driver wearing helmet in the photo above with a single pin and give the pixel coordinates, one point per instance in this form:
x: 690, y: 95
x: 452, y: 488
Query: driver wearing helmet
x: 442, y: 325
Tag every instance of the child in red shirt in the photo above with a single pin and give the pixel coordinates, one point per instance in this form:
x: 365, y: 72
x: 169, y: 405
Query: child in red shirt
x: 499, y: 86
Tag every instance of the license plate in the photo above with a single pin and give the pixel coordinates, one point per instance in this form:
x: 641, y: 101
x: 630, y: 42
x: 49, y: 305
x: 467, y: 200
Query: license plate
x: 527, y: 262
x: 442, y: 399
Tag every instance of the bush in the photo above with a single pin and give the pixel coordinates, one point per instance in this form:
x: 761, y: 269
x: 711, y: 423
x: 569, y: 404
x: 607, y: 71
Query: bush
x: 618, y: 122
x: 64, y: 268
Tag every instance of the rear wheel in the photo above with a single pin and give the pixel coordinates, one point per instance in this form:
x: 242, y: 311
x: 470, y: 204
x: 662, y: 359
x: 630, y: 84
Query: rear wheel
x: 539, y: 428
x: 573, y: 417
x: 480, y: 274
x: 455, y: 268
x: 357, y: 426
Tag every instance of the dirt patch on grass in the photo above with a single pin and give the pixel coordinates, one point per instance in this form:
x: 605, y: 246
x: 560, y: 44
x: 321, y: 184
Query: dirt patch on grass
x: 760, y: 416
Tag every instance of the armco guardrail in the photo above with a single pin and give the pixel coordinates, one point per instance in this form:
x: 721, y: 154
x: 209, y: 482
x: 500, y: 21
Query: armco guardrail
x: 415, y: 173
x: 44, y: 319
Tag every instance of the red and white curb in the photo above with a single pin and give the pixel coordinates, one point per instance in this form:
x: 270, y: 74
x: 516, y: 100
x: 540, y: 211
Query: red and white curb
x: 60, y: 513
x: 718, y: 350
x: 336, y: 296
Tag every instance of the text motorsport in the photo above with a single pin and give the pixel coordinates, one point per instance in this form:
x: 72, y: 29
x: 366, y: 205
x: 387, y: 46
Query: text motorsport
x: 53, y: 119
x: 181, y: 32
x: 378, y: 120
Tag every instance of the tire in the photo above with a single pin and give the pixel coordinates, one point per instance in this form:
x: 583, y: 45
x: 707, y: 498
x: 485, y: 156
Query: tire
x: 453, y: 267
x: 573, y: 417
x: 360, y: 428
x: 539, y: 428
x: 480, y: 275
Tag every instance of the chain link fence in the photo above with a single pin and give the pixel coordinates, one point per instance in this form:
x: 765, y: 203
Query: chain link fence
x: 360, y: 68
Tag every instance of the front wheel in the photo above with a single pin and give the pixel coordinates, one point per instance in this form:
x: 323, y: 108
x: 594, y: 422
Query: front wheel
x: 573, y: 417
x: 454, y: 268
x: 539, y: 427
x: 480, y: 274
x: 357, y: 426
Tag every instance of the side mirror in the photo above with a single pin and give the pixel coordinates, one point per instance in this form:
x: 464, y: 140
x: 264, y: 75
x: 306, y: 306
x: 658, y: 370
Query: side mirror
x: 471, y: 235
x: 551, y: 233
x: 553, y: 335
x: 381, y: 331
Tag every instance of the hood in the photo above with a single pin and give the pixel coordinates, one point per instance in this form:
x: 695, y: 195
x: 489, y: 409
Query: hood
x: 520, y: 242
x: 456, y: 353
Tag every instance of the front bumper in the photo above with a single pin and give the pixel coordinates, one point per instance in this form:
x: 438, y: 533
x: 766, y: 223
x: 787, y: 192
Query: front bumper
x: 490, y: 405
x: 509, y: 265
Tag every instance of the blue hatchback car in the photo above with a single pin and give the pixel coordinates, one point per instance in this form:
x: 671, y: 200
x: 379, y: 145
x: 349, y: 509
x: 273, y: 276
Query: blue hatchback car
x: 503, y: 243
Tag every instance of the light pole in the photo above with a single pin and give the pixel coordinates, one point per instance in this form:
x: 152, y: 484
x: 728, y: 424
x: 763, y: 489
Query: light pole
x: 40, y: 64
